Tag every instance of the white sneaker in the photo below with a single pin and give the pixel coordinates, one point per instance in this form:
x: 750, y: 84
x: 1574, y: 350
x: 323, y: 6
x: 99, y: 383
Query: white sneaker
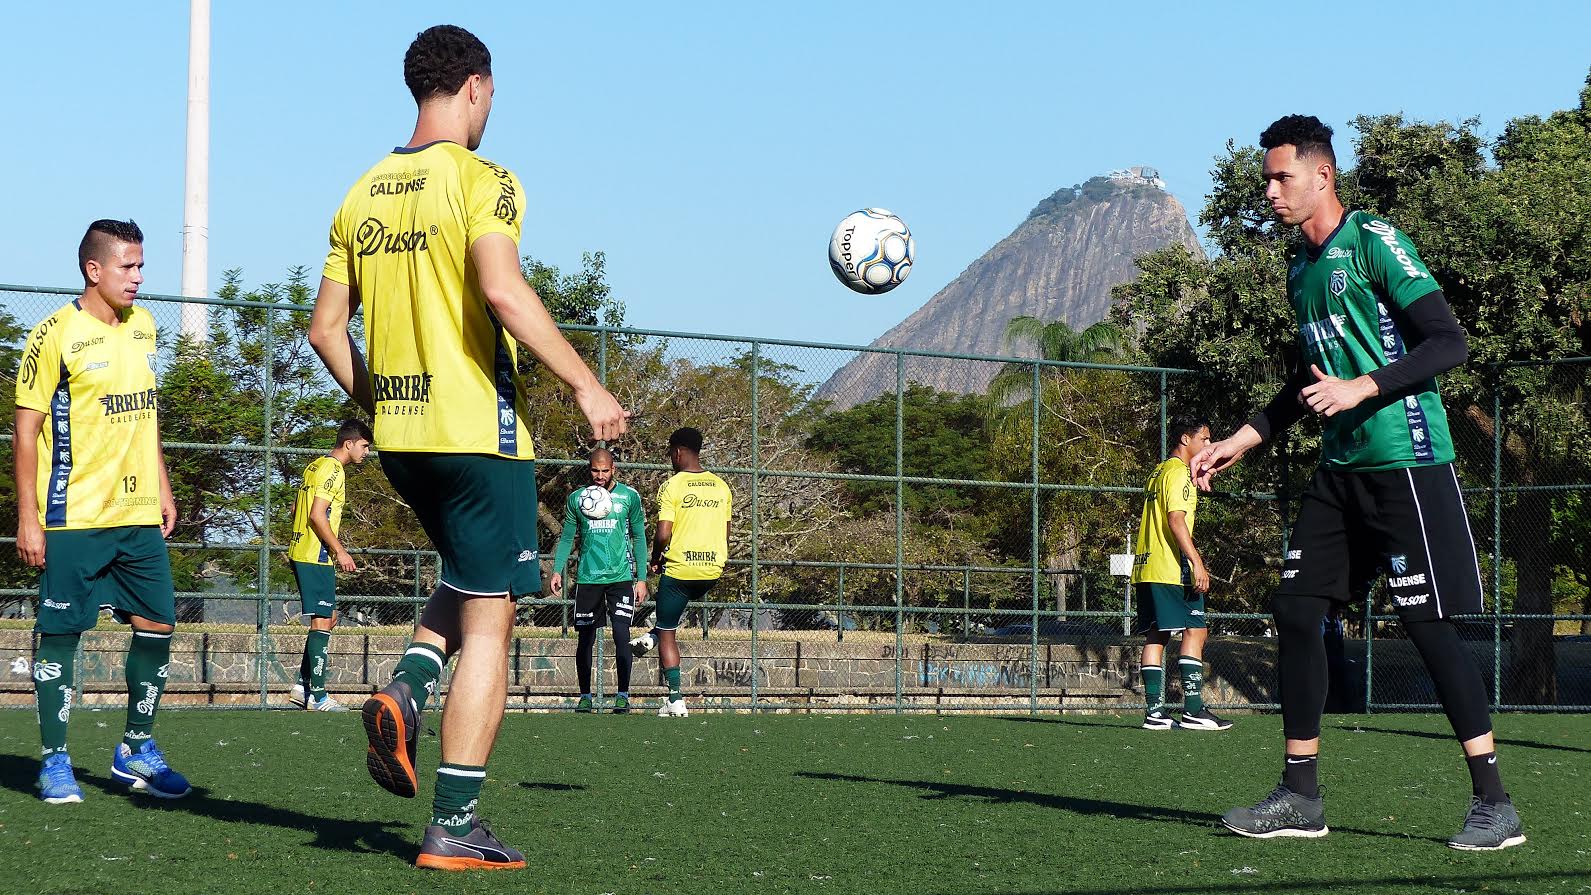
x: 297, y: 696
x: 673, y: 708
x: 325, y: 705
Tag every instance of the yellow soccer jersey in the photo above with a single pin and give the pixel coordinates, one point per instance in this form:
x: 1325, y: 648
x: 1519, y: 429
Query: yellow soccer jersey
x: 99, y: 450
x: 441, y: 367
x: 323, y: 478
x: 699, y: 504
x: 1159, y: 559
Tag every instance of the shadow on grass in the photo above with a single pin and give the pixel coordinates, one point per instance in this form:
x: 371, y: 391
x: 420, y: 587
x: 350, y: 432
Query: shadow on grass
x: 552, y: 787
x: 335, y: 834
x: 1447, y: 737
x: 1463, y: 882
x: 1053, y: 719
x: 1075, y: 804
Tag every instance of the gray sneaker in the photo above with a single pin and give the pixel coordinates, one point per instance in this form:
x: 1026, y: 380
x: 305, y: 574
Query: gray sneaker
x: 476, y: 850
x: 1489, y: 826
x: 1282, y: 813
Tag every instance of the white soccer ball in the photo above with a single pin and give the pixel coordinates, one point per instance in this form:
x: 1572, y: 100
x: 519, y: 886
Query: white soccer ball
x: 872, y: 251
x: 594, y: 502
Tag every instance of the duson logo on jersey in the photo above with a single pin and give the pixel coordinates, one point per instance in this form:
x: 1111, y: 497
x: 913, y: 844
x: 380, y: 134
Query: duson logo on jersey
x: 1389, y: 235
x: 374, y: 236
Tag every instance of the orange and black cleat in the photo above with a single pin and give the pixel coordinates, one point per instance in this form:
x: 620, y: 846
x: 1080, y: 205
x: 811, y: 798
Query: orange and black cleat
x: 392, y: 722
x: 476, y: 850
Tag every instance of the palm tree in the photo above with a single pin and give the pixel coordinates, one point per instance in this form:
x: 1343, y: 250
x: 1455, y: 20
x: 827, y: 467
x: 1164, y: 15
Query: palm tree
x: 1056, y: 341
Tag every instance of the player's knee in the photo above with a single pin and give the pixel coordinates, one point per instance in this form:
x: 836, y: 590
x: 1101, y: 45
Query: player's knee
x: 151, y: 627
x: 1299, y: 616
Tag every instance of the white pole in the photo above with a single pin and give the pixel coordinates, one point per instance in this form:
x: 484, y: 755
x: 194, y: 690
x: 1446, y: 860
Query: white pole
x: 196, y: 184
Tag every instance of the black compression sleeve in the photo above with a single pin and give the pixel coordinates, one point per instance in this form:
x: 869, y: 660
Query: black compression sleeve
x: 1284, y: 409
x: 1435, y: 343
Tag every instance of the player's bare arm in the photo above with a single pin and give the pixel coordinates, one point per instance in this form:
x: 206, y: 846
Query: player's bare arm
x: 329, y: 336
x: 521, y: 312
x: 168, y: 500
x: 1177, y: 521
x: 25, y: 467
x: 1329, y: 396
x: 320, y: 524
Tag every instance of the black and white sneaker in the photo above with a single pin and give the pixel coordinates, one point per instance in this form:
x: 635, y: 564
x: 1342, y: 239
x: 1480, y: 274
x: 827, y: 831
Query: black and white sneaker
x: 1489, y: 826
x: 1158, y: 718
x: 1283, y: 813
x: 1203, y: 719
x: 478, y: 849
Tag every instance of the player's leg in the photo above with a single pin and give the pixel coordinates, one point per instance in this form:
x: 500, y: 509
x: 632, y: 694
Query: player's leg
x: 317, y: 590
x: 1151, y: 668
x: 139, y: 586
x: 1433, y: 575
x: 589, y: 610
x: 318, y: 646
x: 73, y: 562
x: 622, y: 597
x: 672, y: 598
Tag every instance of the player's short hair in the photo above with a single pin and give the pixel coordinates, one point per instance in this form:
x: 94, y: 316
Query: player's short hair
x: 353, y: 430
x: 600, y: 452
x: 101, y: 235
x: 688, y: 438
x: 1185, y: 424
x: 441, y: 59
x: 1308, y: 135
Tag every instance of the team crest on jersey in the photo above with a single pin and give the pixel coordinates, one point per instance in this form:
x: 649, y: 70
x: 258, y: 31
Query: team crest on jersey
x: 1339, y: 281
x: 1399, y: 563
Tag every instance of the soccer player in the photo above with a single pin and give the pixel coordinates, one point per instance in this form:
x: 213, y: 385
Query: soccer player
x: 610, y: 580
x: 317, y: 517
x: 88, y: 440
x: 427, y: 241
x: 1169, y: 581
x: 1375, y: 331
x: 689, y: 549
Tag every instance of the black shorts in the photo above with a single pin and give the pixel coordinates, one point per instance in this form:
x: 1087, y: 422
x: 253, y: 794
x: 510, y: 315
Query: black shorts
x: 1406, y: 525
x: 595, y: 602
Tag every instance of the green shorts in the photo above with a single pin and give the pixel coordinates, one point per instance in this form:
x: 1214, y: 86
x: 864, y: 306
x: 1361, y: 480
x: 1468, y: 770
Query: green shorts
x: 317, y: 588
x: 125, y: 569
x: 672, y: 596
x: 480, y: 513
x: 1168, y: 607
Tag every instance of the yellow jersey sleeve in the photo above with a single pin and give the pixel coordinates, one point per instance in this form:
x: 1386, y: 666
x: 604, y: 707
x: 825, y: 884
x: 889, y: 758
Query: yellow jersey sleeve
x: 493, y: 197
x: 339, y: 260
x: 1176, y: 490
x: 39, y: 375
x: 666, y: 501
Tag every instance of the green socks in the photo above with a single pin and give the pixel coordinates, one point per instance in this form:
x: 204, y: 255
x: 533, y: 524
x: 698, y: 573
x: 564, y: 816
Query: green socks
x: 147, y: 658
x: 1192, y: 671
x: 313, y: 669
x: 672, y: 674
x: 1154, y: 685
x: 52, y: 685
x: 458, y: 788
x: 420, y: 668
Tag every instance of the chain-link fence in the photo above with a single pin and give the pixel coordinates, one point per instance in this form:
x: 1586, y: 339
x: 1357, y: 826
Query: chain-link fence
x: 914, y: 530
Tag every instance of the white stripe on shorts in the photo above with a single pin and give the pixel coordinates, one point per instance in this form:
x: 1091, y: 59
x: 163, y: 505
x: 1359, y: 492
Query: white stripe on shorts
x: 1430, y: 567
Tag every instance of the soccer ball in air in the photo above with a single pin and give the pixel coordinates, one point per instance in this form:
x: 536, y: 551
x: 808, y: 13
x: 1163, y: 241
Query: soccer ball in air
x: 872, y: 251
x: 594, y: 502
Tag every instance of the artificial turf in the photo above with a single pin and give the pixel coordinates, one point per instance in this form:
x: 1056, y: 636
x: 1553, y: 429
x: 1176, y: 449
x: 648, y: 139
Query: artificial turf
x: 825, y: 803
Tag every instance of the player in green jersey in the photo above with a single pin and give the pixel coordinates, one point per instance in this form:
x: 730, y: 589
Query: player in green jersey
x: 1375, y: 331
x: 610, y: 580
x: 317, y: 523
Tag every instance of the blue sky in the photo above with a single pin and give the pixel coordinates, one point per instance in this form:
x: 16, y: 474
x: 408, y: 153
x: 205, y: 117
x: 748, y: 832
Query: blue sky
x: 709, y: 149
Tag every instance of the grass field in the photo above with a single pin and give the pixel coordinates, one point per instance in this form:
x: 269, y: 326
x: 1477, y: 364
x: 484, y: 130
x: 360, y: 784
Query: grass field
x: 765, y: 804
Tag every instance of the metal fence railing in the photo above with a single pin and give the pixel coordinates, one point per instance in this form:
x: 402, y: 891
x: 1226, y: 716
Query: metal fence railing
x: 896, y: 546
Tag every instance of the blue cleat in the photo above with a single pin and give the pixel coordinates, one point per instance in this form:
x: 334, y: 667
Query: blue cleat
x: 57, y: 785
x: 147, y: 770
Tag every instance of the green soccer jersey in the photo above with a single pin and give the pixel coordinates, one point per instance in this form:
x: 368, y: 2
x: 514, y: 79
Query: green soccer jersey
x: 609, y: 547
x: 1341, y: 295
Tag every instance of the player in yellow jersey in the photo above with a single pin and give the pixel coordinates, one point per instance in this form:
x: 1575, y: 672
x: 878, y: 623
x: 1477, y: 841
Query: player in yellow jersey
x: 317, y: 520
x: 689, y: 549
x: 428, y: 242
x: 94, y: 504
x: 1169, y: 580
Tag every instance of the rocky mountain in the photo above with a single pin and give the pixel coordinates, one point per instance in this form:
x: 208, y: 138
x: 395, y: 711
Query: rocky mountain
x: 1059, y: 264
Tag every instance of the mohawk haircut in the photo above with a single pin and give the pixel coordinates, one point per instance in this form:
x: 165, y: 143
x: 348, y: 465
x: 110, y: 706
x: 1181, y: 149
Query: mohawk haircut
x: 1305, y: 133
x: 101, y: 235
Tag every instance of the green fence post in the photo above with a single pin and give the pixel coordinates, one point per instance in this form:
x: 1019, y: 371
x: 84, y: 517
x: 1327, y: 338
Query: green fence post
x: 1497, y: 543
x: 966, y: 603
x: 1033, y: 501
x: 900, y: 525
x: 263, y: 615
x: 1370, y: 649
x: 1165, y: 435
x: 839, y: 612
x: 756, y: 469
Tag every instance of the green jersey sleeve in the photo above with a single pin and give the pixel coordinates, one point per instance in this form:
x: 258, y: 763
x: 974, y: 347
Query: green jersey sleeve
x: 637, y: 537
x: 1392, y: 264
x: 566, y: 539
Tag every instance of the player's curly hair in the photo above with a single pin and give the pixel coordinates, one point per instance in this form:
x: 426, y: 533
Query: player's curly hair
x: 100, y: 236
x: 441, y: 59
x: 1305, y: 133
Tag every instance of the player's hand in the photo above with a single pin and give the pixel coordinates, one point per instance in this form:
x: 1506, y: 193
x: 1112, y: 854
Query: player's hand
x: 1222, y: 454
x: 168, y: 513
x: 640, y: 592
x: 30, y: 542
x: 655, y: 567
x: 608, y: 420
x: 1330, y: 396
x: 555, y: 584
x: 1201, y: 578
x: 346, y: 562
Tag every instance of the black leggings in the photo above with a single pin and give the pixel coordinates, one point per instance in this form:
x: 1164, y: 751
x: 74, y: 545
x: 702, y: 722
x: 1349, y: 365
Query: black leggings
x: 621, y: 652
x: 1301, y: 655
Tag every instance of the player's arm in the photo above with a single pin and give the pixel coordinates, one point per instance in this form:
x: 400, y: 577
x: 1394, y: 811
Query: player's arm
x: 25, y: 469
x: 1284, y: 409
x: 566, y: 543
x: 321, y: 526
x: 638, y: 538
x: 328, y: 335
x: 1177, y: 521
x: 168, y: 500
x: 520, y: 310
x: 660, y: 542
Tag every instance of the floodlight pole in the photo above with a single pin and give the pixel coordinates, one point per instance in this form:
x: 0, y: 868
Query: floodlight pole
x: 196, y: 182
